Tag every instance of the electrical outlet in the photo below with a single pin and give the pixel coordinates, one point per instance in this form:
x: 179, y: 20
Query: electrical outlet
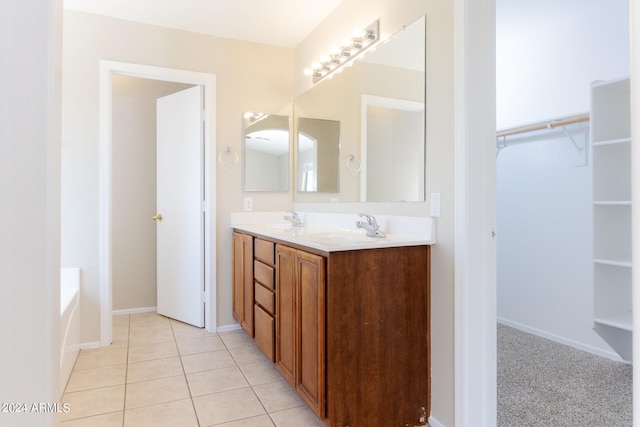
x: 248, y: 203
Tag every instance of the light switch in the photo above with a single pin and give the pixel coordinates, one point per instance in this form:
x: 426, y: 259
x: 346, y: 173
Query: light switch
x: 435, y: 205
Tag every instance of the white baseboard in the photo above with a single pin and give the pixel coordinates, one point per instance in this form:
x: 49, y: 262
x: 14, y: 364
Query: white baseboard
x: 435, y: 423
x: 134, y: 311
x: 228, y: 328
x: 90, y: 345
x: 557, y: 338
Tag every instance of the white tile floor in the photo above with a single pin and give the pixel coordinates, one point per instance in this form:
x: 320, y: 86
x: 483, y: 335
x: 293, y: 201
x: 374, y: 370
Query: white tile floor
x: 161, y: 372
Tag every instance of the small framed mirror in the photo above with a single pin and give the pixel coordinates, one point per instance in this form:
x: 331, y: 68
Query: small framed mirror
x: 266, y: 147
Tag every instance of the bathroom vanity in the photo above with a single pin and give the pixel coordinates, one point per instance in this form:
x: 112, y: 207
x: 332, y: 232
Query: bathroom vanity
x: 345, y: 319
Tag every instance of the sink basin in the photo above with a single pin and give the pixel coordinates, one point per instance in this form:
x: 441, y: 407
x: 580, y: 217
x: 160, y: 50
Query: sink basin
x: 279, y: 226
x: 337, y: 238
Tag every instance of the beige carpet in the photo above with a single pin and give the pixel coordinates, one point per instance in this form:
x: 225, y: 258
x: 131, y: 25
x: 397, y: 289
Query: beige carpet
x: 544, y: 383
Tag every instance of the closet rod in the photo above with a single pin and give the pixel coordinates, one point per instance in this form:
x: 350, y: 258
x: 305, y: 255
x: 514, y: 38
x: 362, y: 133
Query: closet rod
x: 544, y: 125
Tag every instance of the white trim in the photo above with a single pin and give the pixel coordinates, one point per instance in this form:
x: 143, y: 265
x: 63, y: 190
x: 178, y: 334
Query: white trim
x: 106, y: 324
x: 90, y: 345
x: 562, y: 340
x: 377, y: 101
x: 474, y: 188
x: 133, y: 311
x: 208, y: 82
x: 435, y: 423
x: 229, y: 328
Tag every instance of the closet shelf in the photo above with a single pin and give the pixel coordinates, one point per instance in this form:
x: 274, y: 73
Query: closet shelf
x: 612, y: 202
x: 615, y: 262
x: 611, y: 142
x: 611, y: 197
x: 619, y: 320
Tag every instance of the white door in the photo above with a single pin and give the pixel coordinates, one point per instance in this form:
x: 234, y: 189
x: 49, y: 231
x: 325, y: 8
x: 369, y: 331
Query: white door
x: 180, y: 232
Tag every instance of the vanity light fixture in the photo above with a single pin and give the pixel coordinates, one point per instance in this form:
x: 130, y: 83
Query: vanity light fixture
x: 349, y: 49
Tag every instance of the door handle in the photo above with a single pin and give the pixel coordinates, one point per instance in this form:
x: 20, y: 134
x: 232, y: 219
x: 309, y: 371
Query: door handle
x: 157, y: 217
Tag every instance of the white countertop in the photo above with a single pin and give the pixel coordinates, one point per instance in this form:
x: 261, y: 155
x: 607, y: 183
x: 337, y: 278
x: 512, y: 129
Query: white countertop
x: 337, y: 232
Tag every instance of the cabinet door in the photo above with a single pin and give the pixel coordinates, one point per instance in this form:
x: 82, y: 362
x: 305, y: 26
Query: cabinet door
x: 310, y: 288
x: 238, y: 281
x: 286, y: 312
x: 264, y: 326
x: 247, y: 283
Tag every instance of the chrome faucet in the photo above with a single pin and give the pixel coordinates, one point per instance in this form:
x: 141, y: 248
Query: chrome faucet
x: 293, y: 218
x: 371, y: 225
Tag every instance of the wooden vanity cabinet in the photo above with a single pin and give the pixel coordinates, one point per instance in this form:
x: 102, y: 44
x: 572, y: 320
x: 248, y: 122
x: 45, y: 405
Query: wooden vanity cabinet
x: 350, y: 329
x: 243, y: 290
x: 378, y: 334
x: 300, y: 323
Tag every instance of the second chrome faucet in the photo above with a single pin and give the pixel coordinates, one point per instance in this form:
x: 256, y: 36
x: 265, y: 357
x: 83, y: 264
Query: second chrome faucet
x: 293, y: 218
x: 371, y: 225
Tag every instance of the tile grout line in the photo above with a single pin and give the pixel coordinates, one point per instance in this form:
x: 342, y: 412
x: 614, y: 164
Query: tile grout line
x: 124, y: 401
x: 248, y: 382
x: 193, y: 405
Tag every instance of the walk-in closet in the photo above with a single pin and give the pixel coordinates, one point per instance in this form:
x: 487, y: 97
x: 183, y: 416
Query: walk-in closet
x: 563, y: 212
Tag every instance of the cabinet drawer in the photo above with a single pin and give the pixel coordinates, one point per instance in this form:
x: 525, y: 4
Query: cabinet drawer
x: 265, y: 332
x: 264, y: 251
x: 264, y: 274
x: 265, y: 298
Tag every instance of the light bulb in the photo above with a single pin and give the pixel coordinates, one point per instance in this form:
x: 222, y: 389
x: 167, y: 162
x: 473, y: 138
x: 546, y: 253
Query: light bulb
x: 359, y: 33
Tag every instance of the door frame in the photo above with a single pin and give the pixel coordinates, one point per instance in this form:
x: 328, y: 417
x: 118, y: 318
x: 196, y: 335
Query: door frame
x: 475, y: 358
x: 389, y: 103
x: 208, y: 81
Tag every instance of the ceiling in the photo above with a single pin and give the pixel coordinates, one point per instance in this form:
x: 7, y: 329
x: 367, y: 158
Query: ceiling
x: 276, y: 22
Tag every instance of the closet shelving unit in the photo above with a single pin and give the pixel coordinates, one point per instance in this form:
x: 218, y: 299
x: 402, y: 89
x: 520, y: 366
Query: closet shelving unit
x: 611, y: 175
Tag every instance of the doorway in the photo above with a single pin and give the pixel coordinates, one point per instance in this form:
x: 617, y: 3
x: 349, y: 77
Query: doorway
x: 544, y: 195
x: 109, y: 69
x: 134, y: 191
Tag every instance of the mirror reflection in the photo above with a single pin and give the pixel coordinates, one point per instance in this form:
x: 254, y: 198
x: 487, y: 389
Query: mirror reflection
x: 379, y: 105
x: 393, y: 147
x: 318, y: 155
x: 266, y: 152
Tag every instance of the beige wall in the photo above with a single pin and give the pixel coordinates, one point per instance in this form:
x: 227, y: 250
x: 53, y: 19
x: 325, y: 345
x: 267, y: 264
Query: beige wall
x: 134, y: 189
x: 440, y: 157
x: 250, y: 77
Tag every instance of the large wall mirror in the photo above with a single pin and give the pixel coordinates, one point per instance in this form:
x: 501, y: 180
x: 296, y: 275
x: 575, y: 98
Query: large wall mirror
x: 377, y: 105
x: 266, y: 152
